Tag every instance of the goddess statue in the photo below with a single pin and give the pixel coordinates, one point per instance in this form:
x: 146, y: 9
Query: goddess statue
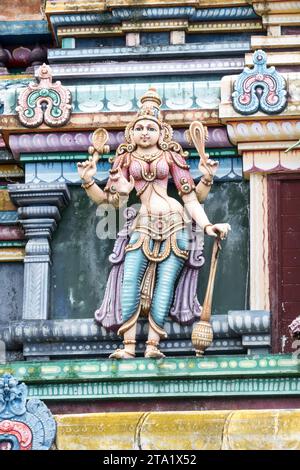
x: 158, y: 245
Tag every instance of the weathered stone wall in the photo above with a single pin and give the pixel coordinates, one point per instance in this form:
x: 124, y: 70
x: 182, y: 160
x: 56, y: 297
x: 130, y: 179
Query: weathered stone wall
x: 206, y: 430
x: 21, y: 10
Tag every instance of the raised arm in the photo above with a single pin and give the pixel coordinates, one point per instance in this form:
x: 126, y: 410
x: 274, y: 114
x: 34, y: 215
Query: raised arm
x: 87, y: 171
x: 197, y: 135
x: 119, y: 184
x: 117, y: 188
x: 186, y: 188
x: 206, y: 181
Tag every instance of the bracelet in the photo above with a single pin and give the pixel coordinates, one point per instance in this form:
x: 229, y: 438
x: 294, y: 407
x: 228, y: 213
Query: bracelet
x: 205, y: 226
x: 88, y: 185
x: 207, y: 182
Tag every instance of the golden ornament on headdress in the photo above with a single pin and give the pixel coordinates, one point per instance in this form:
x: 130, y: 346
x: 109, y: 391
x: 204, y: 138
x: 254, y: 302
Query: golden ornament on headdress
x: 151, y: 96
x: 150, y: 104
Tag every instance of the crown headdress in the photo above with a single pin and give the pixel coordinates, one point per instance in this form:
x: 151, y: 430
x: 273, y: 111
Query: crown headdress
x: 150, y: 104
x: 150, y: 109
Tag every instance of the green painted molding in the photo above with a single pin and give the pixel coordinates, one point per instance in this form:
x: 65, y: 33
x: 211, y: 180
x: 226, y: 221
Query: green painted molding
x: 58, y: 156
x: 265, y: 375
x: 169, y: 377
x: 216, y: 152
x: 132, y: 389
x: 79, y: 156
x: 169, y: 367
x: 5, y: 244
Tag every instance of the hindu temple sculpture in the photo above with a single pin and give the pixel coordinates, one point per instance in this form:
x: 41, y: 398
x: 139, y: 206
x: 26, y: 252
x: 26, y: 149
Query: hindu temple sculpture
x: 24, y: 424
x: 158, y: 243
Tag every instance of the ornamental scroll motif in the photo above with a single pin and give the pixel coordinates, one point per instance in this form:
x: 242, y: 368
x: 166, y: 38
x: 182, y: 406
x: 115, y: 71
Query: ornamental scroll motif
x: 24, y: 425
x: 44, y: 102
x: 260, y: 88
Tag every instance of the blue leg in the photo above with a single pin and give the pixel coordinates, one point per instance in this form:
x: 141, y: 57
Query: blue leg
x: 134, y: 268
x: 167, y: 274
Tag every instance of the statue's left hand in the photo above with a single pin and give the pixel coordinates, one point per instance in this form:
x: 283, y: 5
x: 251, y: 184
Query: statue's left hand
x: 218, y: 230
x: 121, y: 184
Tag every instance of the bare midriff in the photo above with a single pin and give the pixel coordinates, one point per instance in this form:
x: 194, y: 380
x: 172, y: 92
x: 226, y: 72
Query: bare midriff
x: 151, y: 183
x: 155, y: 200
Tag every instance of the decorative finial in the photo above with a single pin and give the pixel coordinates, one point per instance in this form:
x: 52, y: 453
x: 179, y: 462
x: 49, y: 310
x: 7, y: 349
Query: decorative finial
x: 24, y: 425
x: 44, y: 102
x: 259, y: 89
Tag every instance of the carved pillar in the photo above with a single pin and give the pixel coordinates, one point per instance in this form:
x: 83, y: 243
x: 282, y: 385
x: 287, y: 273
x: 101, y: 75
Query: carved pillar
x: 39, y: 212
x: 259, y: 255
x: 39, y: 224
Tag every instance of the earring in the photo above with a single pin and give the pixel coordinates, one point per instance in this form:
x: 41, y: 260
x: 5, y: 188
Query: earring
x: 162, y: 144
x: 132, y: 145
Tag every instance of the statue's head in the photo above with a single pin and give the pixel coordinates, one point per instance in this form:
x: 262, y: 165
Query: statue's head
x: 147, y: 128
x: 149, y: 121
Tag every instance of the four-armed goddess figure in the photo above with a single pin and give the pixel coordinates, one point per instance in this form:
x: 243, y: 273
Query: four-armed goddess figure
x: 159, y: 241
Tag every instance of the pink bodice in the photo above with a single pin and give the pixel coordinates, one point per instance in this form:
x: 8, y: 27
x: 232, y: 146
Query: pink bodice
x: 156, y: 171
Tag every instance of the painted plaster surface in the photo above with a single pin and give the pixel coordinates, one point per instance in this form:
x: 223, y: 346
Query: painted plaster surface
x: 20, y: 10
x: 206, y: 430
x: 271, y: 161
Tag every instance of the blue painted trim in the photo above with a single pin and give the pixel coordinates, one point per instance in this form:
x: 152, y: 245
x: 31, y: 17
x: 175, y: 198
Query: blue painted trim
x: 217, y: 14
x: 122, y: 14
x: 69, y: 20
x: 230, y: 169
x: 13, y: 28
x: 125, y: 53
x: 153, y: 13
x: 73, y: 20
x: 8, y: 217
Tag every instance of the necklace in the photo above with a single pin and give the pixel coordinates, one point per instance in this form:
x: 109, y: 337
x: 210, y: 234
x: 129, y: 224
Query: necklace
x: 148, y: 157
x: 148, y: 174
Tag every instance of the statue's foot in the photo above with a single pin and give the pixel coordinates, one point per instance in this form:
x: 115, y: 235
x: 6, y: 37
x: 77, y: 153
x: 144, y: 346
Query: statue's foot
x: 122, y: 354
x: 153, y: 353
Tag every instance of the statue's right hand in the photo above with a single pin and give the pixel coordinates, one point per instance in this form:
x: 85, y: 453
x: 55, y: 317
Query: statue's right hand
x: 208, y: 167
x: 87, y: 169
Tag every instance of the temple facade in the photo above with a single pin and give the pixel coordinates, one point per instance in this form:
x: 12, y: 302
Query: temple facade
x: 68, y: 68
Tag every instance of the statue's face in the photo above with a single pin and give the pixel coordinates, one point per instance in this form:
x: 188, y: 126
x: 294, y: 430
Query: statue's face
x: 146, y: 133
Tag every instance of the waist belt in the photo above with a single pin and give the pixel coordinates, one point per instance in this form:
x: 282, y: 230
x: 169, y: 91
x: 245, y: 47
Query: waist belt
x: 159, y: 227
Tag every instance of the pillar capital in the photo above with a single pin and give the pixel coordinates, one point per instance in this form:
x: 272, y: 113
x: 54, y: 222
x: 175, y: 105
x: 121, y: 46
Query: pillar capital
x: 30, y: 194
